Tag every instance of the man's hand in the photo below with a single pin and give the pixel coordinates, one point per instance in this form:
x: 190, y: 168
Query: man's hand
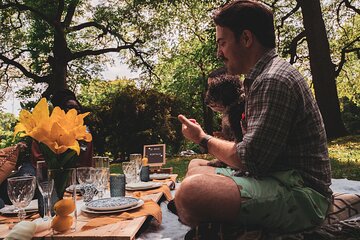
x: 191, y: 129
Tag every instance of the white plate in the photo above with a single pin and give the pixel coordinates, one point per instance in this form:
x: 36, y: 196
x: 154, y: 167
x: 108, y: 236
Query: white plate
x: 159, y: 176
x: 142, y: 186
x: 12, y: 210
x: 70, y: 188
x: 114, y: 203
x: 87, y: 210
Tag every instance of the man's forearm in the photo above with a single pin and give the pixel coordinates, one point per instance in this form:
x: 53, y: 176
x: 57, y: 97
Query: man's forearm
x: 224, y: 151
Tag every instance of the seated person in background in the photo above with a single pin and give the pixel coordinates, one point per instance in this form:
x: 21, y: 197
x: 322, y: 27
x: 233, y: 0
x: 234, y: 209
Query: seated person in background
x: 66, y: 100
x: 225, y: 95
x: 10, y: 166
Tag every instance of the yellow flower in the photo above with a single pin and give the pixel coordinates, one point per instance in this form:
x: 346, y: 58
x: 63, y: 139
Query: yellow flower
x: 60, y: 131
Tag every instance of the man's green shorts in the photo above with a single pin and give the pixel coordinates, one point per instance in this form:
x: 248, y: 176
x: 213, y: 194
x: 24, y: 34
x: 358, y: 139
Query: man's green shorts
x: 279, y: 202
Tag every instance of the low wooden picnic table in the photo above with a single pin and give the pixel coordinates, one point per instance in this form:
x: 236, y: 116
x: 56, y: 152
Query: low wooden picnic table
x: 125, y: 229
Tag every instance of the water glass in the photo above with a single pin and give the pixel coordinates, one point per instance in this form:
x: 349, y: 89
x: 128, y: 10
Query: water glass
x: 86, y: 178
x: 137, y: 159
x: 103, y: 162
x: 117, y: 185
x: 21, y: 191
x: 129, y: 169
x: 101, y: 180
x: 45, y: 186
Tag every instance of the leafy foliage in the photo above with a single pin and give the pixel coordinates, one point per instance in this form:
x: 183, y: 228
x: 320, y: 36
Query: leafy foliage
x: 7, y: 124
x: 124, y: 118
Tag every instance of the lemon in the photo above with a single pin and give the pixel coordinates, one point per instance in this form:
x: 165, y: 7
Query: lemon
x: 64, y: 207
x: 62, y: 224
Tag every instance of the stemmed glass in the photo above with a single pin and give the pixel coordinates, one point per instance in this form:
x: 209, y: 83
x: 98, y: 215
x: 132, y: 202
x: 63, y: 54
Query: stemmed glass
x: 45, y: 186
x: 21, y: 191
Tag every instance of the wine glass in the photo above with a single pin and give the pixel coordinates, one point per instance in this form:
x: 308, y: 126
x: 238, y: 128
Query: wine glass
x: 21, y: 191
x: 45, y: 186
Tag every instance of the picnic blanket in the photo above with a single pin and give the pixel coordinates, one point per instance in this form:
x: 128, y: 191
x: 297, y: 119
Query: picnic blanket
x: 342, y: 222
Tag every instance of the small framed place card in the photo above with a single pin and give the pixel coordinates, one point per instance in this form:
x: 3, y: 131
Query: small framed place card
x: 155, y: 154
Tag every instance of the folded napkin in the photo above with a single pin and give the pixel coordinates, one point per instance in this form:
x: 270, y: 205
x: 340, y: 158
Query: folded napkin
x: 164, y: 189
x: 169, y: 181
x: 25, y: 230
x: 150, y: 208
x: 22, y: 231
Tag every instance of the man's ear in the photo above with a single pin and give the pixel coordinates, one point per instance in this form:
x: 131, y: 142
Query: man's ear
x: 247, y: 38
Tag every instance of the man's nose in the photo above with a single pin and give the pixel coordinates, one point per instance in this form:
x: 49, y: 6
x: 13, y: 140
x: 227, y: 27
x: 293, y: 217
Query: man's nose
x: 219, y: 54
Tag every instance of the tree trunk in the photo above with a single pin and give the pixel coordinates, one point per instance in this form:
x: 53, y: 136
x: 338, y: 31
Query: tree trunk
x: 322, y: 68
x: 59, y: 64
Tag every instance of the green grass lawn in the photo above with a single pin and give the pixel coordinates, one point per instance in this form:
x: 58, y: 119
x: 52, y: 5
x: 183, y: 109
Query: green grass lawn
x: 344, y: 154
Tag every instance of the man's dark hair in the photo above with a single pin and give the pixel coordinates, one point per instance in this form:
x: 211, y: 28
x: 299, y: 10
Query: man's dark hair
x: 248, y: 15
x: 60, y: 98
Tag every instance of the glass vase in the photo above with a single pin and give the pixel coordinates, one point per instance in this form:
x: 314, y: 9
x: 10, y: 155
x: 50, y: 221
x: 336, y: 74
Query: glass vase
x: 64, y: 202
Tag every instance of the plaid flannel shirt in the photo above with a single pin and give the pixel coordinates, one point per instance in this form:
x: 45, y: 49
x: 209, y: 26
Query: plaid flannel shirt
x: 283, y: 125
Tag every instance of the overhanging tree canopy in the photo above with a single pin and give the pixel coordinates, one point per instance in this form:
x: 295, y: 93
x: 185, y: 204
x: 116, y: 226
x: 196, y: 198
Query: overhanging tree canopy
x: 57, y: 42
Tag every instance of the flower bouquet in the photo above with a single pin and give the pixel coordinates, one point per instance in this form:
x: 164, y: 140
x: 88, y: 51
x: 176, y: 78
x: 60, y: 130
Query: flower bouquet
x: 58, y: 135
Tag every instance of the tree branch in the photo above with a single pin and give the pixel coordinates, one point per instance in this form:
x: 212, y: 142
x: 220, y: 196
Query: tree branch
x: 21, y: 7
x: 77, y: 55
x: 70, y: 13
x: 86, y: 25
x: 348, y: 5
x: 37, y: 79
x: 293, y: 46
x: 344, y: 51
x: 294, y: 10
x: 60, y: 10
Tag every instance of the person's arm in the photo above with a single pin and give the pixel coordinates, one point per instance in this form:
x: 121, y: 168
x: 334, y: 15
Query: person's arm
x: 221, y: 149
x: 8, y: 158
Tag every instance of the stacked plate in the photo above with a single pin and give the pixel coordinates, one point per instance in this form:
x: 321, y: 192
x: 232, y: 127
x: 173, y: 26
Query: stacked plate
x: 12, y: 210
x: 159, y: 176
x: 112, y: 205
x: 142, y: 186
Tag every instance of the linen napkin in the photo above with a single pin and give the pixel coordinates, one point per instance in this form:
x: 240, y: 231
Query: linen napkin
x: 164, y: 189
x: 149, y: 208
x: 169, y: 181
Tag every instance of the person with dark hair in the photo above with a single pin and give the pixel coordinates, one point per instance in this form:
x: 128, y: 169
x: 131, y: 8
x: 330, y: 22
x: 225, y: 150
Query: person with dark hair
x: 66, y: 100
x: 225, y: 95
x: 284, y: 179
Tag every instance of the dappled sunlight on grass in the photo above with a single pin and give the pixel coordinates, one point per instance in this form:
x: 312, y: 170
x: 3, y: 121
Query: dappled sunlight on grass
x: 343, y: 152
x: 345, y: 157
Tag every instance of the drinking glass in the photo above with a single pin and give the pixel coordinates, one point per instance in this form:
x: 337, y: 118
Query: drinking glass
x: 86, y: 177
x: 104, y: 177
x: 101, y: 180
x: 129, y: 169
x: 45, y: 186
x: 21, y: 191
x: 137, y: 159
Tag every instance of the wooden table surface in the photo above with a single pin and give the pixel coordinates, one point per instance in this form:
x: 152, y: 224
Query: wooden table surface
x: 121, y: 230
